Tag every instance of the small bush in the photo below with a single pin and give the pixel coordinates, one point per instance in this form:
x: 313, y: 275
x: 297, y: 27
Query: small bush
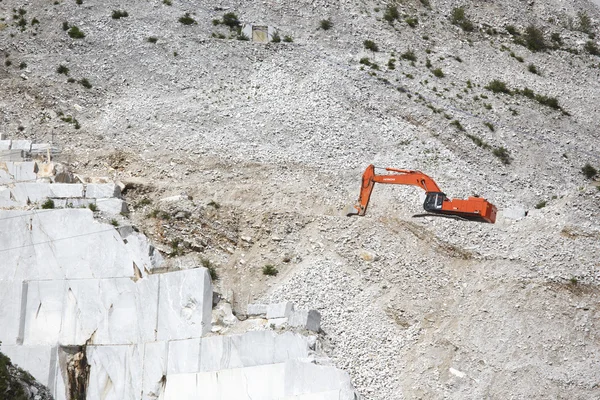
x: 114, y: 222
x: 270, y: 270
x: 428, y: 63
x: 534, y: 39
x: 35, y: 21
x: 590, y: 47
x: 65, y: 26
x: 589, y: 171
x: 585, y: 23
x: 365, y: 61
x: 118, y: 14
x: 23, y: 65
x: 490, y: 126
x: 408, y: 55
x: 152, y: 39
x: 438, y: 72
x: 458, y: 125
x: 541, y: 204
x: 243, y: 37
x: 478, y: 141
x: 512, y: 30
x: 502, y: 154
x: 8, y: 63
x: 459, y: 18
x: 93, y: 207
x: 391, y: 13
x: 497, y: 86
x: 167, y: 2
x: 547, y: 101
x: 533, y: 69
x: 187, y: 19
x: 79, y: 2
x: 61, y: 69
x: 85, y: 83
x: 288, y: 39
x: 412, y: 21
x: 71, y: 80
x: 48, y: 204
x: 325, y: 24
x: 76, y: 33
x: 212, y: 270
x: 231, y: 20
x: 528, y: 93
x: 276, y: 38
x: 391, y: 63
x: 371, y: 45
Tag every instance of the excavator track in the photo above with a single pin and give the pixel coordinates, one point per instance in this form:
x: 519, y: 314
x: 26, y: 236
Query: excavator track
x: 457, y: 217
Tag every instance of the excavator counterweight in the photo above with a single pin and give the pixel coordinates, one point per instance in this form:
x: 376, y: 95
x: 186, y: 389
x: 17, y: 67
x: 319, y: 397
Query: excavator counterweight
x: 436, y: 202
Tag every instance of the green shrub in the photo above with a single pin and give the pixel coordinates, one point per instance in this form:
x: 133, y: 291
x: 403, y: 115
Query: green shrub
x: 65, y: 26
x: 365, y: 61
x: 498, y: 86
x: 243, y: 37
x: 167, y: 2
x: 152, y: 39
x: 534, y: 39
x: 371, y: 45
x: 459, y: 18
x: 391, y: 63
x: 512, y: 30
x: 408, y: 55
x: 585, y: 23
x: 490, y: 126
x: 187, y: 19
x: 85, y: 83
x: 438, y: 72
x: 8, y: 63
x: 93, y: 207
x: 23, y: 65
x: 541, y: 204
x: 79, y: 2
x: 270, y: 270
x: 528, y: 93
x: 547, y: 101
x: 48, y: 204
x: 212, y: 270
x: 533, y: 69
x: 478, y: 141
x: 458, y: 125
x: 411, y: 21
x: 231, y: 20
x: 276, y: 38
x: 288, y: 39
x: 391, y: 13
x: 35, y: 21
x: 502, y: 154
x: 590, y: 47
x: 76, y: 33
x: 114, y: 222
x: 428, y: 63
x: 118, y: 14
x: 589, y: 171
x: 61, y: 69
x: 325, y: 24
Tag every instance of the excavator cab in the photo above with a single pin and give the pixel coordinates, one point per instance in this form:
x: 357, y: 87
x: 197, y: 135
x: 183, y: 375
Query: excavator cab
x: 434, y: 201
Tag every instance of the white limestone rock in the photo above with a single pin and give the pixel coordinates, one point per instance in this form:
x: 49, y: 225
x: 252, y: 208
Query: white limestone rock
x: 112, y: 206
x: 43, y: 312
x: 11, y: 171
x: 6, y: 198
x: 10, y: 311
x: 155, y: 368
x: 102, y: 190
x: 25, y: 192
x: 257, y: 310
x: 142, y: 252
x: 73, y: 203
x: 24, y: 145
x: 279, y: 310
x: 309, y: 320
x: 115, y: 372
x: 185, y: 304
x: 5, y: 144
x: 40, y: 361
x: 66, y: 190
x: 184, y: 356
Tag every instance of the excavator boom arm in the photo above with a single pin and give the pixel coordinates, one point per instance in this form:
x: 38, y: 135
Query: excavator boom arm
x: 473, y: 208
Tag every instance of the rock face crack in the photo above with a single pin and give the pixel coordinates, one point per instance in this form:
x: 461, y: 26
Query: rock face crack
x: 78, y: 371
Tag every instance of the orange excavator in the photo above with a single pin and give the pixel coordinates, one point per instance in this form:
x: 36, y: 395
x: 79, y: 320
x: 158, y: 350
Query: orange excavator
x: 436, y: 202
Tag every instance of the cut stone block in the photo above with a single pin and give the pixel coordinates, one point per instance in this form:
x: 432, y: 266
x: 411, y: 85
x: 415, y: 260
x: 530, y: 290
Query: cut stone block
x: 73, y: 203
x: 5, y: 144
x: 5, y: 198
x: 185, y: 304
x: 21, y: 171
x: 279, y: 310
x: 25, y: 192
x: 257, y: 310
x: 112, y: 206
x: 309, y: 320
x: 102, y: 190
x: 66, y: 190
x: 155, y: 368
x: 141, y: 251
x: 184, y: 356
x: 43, y: 312
x: 24, y: 145
x: 11, y: 155
x: 115, y: 372
x: 10, y: 312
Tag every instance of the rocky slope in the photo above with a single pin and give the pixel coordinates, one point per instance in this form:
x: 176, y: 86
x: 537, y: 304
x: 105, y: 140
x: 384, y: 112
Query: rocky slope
x: 274, y: 137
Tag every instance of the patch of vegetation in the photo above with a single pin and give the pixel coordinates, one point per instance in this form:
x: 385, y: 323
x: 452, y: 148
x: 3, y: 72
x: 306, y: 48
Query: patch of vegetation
x: 502, y: 154
x: 214, y: 205
x: 242, y: 36
x: 534, y: 39
x: 590, y: 47
x: 498, y: 86
x: 114, y: 222
x: 212, y: 270
x: 152, y: 39
x: 118, y: 14
x: 547, y: 101
x: 186, y: 19
x: 288, y: 39
x: 533, y: 69
x: 459, y: 18
x: 325, y: 24
x: 35, y: 21
x: 9, y: 386
x: 48, y: 204
x: 270, y: 270
x: 458, y: 125
x: 23, y: 65
x: 490, y: 126
x: 62, y: 69
x: 8, y: 63
x: 391, y: 13
x: 231, y: 20
x: 512, y: 30
x: 478, y: 141
x: 75, y: 33
x: 588, y: 171
x: 408, y: 55
x: 412, y: 21
x: 371, y: 45
x: 541, y: 204
x: 93, y: 207
x: 65, y: 26
x: 391, y: 64
x: 438, y: 73
x: 167, y: 2
x: 516, y: 57
x: 85, y: 83
x: 585, y: 23
x: 276, y: 38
